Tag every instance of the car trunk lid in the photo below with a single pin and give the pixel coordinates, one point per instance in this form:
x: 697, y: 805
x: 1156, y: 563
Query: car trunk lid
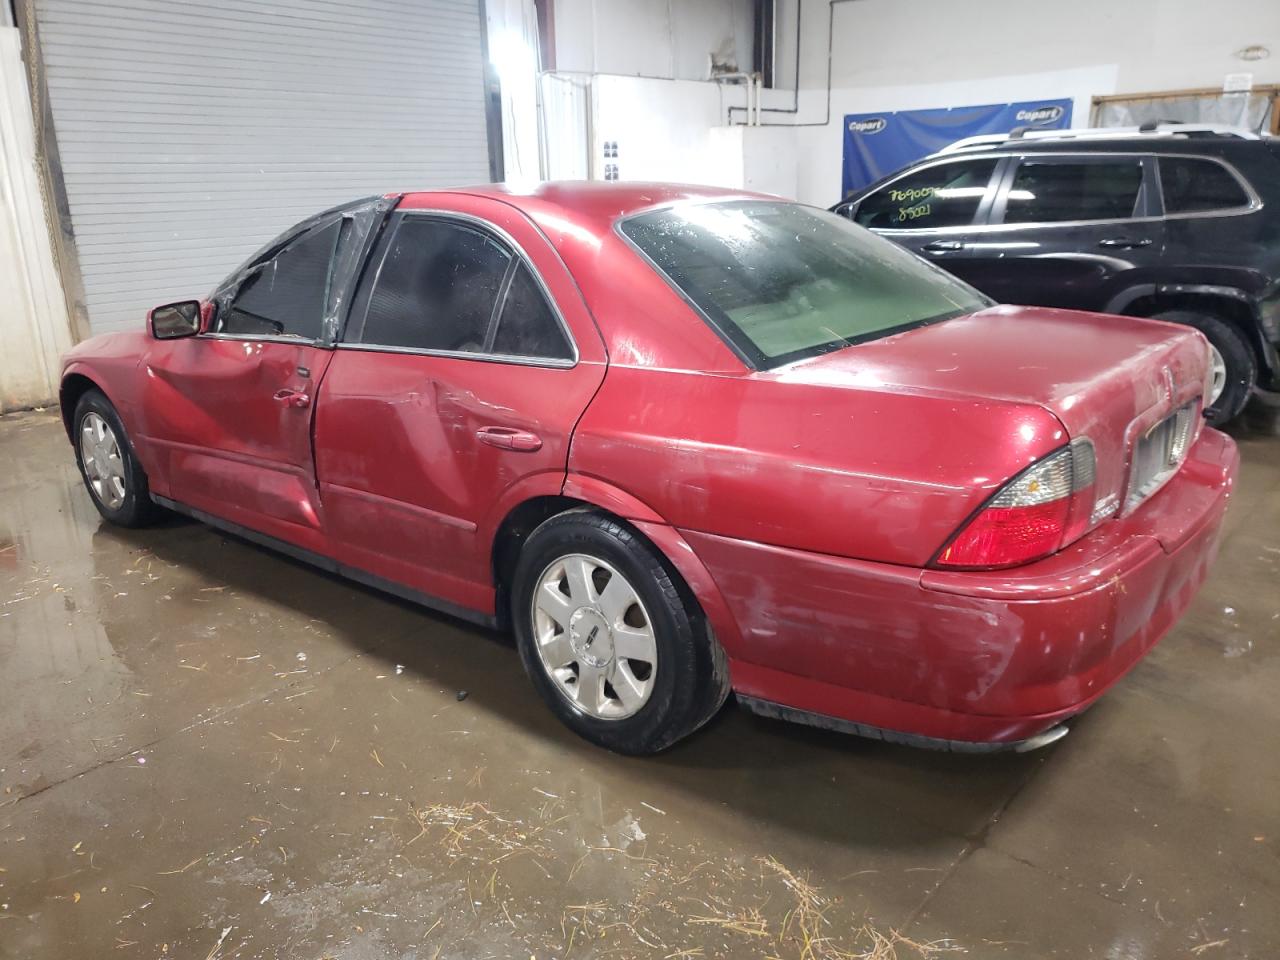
x: 1131, y: 386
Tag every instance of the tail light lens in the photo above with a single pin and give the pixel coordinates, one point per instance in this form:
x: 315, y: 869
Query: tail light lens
x: 1038, y: 512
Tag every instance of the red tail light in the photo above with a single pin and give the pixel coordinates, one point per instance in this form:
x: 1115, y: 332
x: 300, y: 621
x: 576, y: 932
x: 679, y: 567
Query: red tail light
x: 1038, y: 512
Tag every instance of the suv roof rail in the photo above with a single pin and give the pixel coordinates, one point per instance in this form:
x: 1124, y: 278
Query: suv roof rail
x: 1149, y: 129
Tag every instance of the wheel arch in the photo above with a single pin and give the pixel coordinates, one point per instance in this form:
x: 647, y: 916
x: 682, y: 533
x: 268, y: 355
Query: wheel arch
x: 76, y: 382
x: 1229, y: 304
x: 597, y: 495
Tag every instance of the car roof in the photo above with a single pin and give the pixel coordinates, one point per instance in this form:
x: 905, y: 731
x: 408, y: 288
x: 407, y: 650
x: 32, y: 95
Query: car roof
x: 593, y: 204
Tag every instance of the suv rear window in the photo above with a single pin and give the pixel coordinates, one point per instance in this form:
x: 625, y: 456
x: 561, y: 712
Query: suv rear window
x: 1053, y: 191
x: 781, y: 282
x: 1192, y: 185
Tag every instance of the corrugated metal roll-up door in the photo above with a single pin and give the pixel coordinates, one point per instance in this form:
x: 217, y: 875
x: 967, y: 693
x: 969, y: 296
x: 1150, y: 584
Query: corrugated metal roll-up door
x: 191, y: 133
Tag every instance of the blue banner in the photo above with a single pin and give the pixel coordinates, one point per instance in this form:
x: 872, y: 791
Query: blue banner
x: 876, y: 144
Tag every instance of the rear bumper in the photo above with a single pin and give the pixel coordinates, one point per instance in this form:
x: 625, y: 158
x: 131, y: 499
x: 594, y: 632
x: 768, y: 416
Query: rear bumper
x: 991, y: 657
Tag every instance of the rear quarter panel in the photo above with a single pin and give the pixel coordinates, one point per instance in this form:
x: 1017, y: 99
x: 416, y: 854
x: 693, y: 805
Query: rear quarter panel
x: 851, y: 472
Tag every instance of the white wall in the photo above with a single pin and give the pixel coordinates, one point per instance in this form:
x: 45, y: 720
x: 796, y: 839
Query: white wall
x: 634, y: 72
x: 663, y: 128
x: 651, y: 38
x: 885, y: 55
x: 34, y: 326
x: 1153, y: 44
x: 916, y: 54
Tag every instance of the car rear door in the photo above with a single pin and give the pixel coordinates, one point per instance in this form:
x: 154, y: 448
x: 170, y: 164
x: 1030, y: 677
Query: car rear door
x: 1069, y: 230
x: 468, y: 358
x: 230, y: 410
x: 935, y: 209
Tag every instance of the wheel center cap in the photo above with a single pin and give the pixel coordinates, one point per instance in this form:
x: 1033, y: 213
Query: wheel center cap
x: 590, y: 637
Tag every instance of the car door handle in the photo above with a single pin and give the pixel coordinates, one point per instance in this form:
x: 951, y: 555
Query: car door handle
x: 506, y: 438
x: 1124, y: 243
x: 943, y: 246
x: 292, y: 398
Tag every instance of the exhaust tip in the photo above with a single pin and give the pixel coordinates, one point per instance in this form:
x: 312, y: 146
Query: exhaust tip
x: 1052, y: 735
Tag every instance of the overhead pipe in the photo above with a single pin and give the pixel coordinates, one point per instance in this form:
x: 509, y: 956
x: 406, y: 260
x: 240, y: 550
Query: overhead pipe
x: 794, y: 109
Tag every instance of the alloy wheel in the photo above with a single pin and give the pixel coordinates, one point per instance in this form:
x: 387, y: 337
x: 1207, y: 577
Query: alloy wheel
x: 103, y: 462
x: 1218, y: 369
x: 594, y: 638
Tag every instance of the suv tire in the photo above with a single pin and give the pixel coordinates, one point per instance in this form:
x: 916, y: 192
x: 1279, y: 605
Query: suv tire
x: 687, y: 680
x: 1242, y: 367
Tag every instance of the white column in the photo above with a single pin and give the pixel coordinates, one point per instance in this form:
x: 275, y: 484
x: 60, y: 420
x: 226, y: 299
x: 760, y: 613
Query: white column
x: 34, y: 325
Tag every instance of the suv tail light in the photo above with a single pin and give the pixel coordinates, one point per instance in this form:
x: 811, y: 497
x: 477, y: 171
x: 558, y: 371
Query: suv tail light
x: 1041, y: 510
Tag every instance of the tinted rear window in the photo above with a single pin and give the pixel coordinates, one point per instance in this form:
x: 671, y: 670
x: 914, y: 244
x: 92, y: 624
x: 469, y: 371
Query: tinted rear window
x: 1192, y: 185
x: 1053, y: 191
x: 526, y: 326
x: 781, y: 282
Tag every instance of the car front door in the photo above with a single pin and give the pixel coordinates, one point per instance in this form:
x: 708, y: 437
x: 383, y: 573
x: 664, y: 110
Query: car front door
x: 935, y: 210
x: 1068, y: 230
x: 230, y: 410
x: 467, y: 359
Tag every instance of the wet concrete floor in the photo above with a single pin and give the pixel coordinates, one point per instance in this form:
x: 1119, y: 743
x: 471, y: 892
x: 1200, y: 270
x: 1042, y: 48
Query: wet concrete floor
x: 210, y: 751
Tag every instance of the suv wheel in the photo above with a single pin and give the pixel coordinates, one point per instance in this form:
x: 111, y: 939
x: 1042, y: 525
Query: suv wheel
x: 1235, y: 369
x: 613, y: 642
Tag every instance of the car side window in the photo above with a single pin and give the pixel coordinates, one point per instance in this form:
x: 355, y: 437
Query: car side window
x: 450, y: 286
x: 437, y: 287
x: 1192, y: 185
x: 527, y: 327
x: 942, y: 195
x: 1054, y: 191
x: 285, y: 296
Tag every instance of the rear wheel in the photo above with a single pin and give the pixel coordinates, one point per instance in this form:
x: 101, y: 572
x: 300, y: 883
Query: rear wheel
x: 112, y: 475
x: 613, y: 642
x: 1234, y: 366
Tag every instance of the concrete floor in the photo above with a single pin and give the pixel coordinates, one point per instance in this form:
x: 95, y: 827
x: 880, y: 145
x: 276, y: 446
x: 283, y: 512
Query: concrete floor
x: 209, y: 751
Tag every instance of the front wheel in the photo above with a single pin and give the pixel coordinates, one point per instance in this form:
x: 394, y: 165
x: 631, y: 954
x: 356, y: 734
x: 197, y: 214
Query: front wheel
x: 1233, y: 366
x: 112, y: 475
x: 615, y: 645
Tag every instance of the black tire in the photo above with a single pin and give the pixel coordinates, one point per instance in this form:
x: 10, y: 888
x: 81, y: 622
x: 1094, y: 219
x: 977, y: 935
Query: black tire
x: 1242, y: 366
x: 136, y: 508
x: 690, y: 679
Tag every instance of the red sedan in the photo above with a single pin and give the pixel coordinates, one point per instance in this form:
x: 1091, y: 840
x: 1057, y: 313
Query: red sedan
x: 684, y: 441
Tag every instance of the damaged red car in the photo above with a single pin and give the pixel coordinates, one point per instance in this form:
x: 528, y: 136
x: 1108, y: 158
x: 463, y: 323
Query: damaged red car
x: 685, y: 441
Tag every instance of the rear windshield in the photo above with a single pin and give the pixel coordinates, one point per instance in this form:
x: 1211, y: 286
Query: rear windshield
x: 781, y: 282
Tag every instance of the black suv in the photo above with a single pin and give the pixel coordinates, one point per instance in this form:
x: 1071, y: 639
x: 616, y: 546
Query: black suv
x: 1178, y: 223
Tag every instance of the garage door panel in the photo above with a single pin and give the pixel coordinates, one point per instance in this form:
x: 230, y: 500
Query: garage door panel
x: 192, y: 134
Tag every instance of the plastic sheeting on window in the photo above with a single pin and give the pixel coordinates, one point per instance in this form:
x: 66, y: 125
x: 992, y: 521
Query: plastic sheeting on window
x: 1249, y: 110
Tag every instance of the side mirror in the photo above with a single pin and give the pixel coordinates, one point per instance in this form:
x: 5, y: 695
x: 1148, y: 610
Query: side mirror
x: 175, y: 320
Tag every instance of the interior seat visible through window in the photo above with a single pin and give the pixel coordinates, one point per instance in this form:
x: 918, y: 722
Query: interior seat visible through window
x: 452, y: 287
x: 1054, y: 191
x: 941, y: 195
x: 1193, y: 185
x: 285, y: 296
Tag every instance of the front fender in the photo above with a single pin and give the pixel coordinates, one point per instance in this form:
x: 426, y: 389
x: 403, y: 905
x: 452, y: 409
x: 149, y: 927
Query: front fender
x: 115, y: 376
